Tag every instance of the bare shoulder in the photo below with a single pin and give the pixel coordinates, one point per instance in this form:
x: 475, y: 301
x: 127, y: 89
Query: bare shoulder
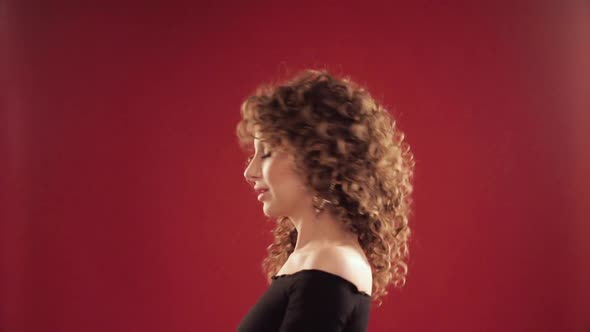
x: 345, y: 262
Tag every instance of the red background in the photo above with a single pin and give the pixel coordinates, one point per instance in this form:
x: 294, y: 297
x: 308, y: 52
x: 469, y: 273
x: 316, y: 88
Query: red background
x: 124, y: 203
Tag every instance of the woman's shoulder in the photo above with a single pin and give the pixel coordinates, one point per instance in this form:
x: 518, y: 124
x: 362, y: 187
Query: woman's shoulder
x: 345, y: 262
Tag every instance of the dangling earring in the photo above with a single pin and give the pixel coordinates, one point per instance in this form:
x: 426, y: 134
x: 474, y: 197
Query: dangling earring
x: 319, y: 207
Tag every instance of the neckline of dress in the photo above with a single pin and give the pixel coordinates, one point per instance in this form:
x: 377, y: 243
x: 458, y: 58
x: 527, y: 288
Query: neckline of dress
x: 275, y: 277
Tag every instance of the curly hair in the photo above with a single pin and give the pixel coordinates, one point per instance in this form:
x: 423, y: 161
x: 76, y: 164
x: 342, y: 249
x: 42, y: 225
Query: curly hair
x: 337, y: 132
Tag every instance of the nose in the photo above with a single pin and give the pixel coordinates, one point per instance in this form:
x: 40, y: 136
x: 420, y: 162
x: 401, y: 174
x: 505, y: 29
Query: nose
x: 250, y: 175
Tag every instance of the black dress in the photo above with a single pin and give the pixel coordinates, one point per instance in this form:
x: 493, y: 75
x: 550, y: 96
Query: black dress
x: 308, y: 301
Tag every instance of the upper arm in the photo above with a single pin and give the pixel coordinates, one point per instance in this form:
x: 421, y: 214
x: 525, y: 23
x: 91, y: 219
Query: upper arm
x: 317, y: 303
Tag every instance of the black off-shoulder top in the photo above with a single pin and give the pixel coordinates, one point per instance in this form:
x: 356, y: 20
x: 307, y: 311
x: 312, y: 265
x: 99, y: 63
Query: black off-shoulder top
x: 307, y: 301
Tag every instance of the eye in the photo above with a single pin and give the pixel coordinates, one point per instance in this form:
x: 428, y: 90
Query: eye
x: 249, y: 159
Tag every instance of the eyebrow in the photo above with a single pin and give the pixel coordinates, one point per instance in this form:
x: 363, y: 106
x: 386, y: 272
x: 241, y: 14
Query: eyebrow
x: 260, y: 144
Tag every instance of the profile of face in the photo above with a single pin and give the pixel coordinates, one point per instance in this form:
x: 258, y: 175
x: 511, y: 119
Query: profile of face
x: 274, y: 170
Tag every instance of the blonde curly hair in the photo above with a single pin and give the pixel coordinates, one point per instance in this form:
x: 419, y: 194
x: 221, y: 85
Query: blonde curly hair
x: 338, y: 133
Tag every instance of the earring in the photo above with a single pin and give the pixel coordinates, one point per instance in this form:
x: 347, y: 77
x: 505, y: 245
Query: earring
x: 320, y: 207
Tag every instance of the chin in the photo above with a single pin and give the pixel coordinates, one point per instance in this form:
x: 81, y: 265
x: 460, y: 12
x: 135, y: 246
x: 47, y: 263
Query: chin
x: 266, y: 211
x: 269, y: 214
x: 269, y: 211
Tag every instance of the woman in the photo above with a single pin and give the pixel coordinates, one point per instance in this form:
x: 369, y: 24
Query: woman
x: 331, y: 166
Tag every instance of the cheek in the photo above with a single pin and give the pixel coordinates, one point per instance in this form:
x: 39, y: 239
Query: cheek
x: 286, y: 185
x: 281, y: 177
x: 277, y: 176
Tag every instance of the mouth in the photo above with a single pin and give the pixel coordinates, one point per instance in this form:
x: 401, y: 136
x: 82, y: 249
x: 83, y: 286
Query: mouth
x: 261, y: 193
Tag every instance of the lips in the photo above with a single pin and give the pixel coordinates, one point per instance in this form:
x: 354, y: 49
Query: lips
x: 261, y: 190
x: 261, y: 194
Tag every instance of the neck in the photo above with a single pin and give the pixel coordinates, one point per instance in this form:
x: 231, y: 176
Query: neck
x: 322, y: 230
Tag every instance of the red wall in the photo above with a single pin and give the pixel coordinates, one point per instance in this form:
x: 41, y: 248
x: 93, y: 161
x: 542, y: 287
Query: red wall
x: 124, y: 204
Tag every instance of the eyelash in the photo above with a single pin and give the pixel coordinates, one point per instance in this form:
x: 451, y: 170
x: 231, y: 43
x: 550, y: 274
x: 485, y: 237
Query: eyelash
x: 251, y: 157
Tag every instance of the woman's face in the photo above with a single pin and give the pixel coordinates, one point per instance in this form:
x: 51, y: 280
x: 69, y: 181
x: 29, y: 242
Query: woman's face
x: 275, y: 171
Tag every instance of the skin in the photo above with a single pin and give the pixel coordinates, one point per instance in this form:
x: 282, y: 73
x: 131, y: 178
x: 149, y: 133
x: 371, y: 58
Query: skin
x: 288, y: 196
x: 322, y: 242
